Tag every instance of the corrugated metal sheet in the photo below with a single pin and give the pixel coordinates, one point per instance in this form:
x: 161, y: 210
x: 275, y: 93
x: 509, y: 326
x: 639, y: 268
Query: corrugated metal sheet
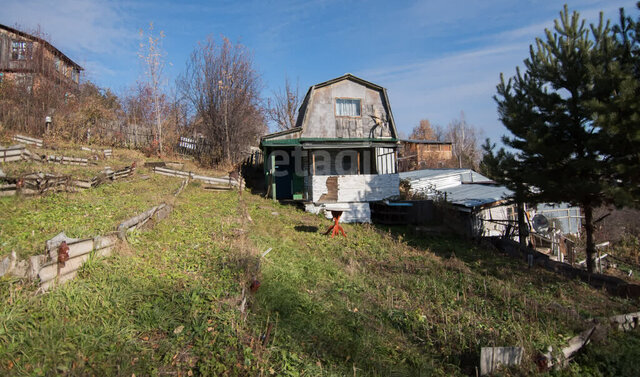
x: 474, y: 195
x: 457, y: 185
x: 464, y: 175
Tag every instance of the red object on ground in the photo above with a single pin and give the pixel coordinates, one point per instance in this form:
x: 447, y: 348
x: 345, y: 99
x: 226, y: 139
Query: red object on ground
x: 335, y: 228
x: 255, y: 284
x: 63, y: 253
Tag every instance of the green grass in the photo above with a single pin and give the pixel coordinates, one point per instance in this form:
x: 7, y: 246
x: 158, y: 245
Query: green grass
x: 27, y: 222
x: 381, y: 302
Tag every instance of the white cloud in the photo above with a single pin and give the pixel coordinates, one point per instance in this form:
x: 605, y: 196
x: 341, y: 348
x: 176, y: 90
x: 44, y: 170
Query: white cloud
x: 77, y: 27
x: 439, y: 88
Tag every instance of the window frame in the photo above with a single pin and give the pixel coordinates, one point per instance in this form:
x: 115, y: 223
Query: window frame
x: 25, y: 47
x: 335, y: 107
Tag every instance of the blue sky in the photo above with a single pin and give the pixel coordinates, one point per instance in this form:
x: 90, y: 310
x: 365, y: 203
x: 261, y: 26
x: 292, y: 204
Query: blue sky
x: 436, y: 58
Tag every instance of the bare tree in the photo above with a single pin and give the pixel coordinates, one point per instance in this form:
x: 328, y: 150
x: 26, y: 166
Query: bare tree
x: 222, y: 88
x: 465, y: 142
x: 283, y: 107
x: 423, y: 131
x: 88, y: 115
x: 153, y: 57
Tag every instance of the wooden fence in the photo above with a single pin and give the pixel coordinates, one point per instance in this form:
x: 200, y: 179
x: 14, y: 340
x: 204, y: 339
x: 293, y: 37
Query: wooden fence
x: 40, y: 183
x: 64, y: 160
x: 223, y: 182
x: 106, y: 153
x: 17, y: 153
x: 29, y: 140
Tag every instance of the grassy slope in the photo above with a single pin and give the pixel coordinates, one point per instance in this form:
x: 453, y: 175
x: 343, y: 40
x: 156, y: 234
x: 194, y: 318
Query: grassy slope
x: 26, y: 223
x: 377, y: 303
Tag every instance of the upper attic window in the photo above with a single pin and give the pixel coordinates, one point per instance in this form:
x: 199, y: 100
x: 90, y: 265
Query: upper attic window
x: 348, y: 107
x: 21, y: 50
x: 75, y: 75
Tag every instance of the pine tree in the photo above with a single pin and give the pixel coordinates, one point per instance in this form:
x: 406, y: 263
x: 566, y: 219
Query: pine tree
x: 619, y: 115
x: 557, y: 147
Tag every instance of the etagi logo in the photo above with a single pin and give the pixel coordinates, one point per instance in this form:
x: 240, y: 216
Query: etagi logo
x: 343, y: 162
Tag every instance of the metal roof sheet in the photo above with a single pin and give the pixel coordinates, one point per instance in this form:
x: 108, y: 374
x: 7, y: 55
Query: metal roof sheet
x: 462, y: 191
x: 468, y: 175
x: 474, y: 195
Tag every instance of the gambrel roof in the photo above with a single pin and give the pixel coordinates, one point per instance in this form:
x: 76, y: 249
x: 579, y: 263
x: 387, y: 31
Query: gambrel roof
x: 296, y: 134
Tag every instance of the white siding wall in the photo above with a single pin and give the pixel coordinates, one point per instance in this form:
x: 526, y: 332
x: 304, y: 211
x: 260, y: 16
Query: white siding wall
x: 357, y: 213
x: 357, y: 188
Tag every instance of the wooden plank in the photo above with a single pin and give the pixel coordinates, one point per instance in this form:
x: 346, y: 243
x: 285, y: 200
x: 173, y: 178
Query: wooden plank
x: 28, y: 140
x: 63, y: 279
x: 11, y: 152
x: 11, y: 158
x: 217, y: 188
x: 492, y: 357
x: 50, y: 271
x: 83, y: 184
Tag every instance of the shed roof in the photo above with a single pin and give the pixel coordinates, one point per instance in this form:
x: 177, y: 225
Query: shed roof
x: 476, y: 195
x: 467, y: 175
x: 467, y: 188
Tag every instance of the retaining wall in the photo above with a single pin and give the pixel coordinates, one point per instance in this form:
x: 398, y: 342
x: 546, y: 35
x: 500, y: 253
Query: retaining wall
x: 49, y: 271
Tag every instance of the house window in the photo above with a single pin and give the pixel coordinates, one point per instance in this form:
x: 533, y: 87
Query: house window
x: 20, y: 50
x: 348, y: 107
x: 75, y: 75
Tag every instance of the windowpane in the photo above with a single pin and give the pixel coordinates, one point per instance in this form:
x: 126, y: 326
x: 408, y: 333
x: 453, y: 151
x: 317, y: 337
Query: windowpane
x: 20, y: 50
x: 347, y: 107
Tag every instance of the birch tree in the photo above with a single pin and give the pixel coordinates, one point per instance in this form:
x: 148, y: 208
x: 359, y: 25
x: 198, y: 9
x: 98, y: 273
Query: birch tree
x: 465, y: 142
x: 153, y: 56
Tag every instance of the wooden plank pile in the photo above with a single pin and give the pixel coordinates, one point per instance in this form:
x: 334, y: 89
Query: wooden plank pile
x: 216, y: 183
x: 40, y: 183
x: 105, y: 176
x: 28, y: 140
